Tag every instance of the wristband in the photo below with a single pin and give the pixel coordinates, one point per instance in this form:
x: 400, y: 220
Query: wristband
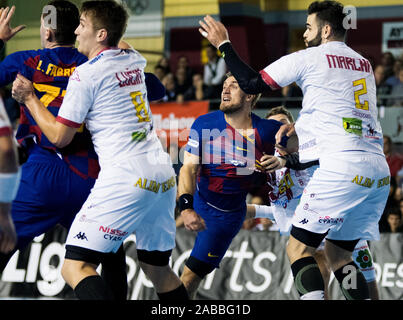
x: 225, y: 41
x: 263, y: 212
x: 9, y: 183
x: 1, y: 44
x: 185, y: 202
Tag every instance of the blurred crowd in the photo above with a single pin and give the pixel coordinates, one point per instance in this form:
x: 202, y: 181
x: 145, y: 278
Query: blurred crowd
x: 389, y: 80
x: 184, y: 84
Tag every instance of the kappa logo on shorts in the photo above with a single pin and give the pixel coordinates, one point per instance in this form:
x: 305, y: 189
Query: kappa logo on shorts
x: 81, y: 236
x: 304, y: 221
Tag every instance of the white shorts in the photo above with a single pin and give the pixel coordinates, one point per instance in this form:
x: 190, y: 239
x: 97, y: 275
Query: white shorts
x: 135, y: 196
x: 345, y: 196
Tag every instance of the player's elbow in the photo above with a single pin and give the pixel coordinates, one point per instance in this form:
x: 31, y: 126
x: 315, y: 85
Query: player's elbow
x: 60, y: 140
x: 61, y: 135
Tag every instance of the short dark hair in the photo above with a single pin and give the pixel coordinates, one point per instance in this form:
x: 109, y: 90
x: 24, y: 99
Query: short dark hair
x: 256, y: 96
x: 280, y: 110
x: 67, y: 21
x: 329, y: 12
x: 108, y: 15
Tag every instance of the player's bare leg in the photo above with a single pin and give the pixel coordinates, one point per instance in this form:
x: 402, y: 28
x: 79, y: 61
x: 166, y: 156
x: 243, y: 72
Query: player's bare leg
x: 191, y: 281
x: 352, y: 281
x: 165, y: 281
x: 325, y: 270
x: 307, y: 276
x: 373, y: 290
x: 82, y: 277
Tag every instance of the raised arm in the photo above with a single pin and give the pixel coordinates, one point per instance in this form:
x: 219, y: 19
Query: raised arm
x: 248, y: 79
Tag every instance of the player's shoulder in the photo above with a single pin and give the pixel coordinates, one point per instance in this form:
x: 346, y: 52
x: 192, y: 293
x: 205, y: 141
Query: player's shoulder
x: 210, y: 117
x: 82, y: 74
x: 91, y: 65
x: 64, y: 54
x: 265, y: 123
x: 78, y: 56
x: 25, y: 54
x: 211, y: 120
x: 134, y: 52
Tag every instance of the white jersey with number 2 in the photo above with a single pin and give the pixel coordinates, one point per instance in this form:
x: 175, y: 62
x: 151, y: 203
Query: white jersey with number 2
x: 339, y: 110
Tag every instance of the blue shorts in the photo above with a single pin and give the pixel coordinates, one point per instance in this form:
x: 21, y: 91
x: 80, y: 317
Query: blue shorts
x: 49, y: 193
x: 221, y: 227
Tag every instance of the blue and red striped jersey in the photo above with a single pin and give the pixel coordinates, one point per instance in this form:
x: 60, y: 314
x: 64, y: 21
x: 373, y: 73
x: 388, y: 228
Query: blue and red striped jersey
x: 230, y: 165
x: 49, y: 70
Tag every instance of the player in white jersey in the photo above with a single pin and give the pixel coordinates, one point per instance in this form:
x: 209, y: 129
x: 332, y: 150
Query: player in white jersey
x: 285, y: 190
x: 9, y: 181
x: 136, y: 187
x: 338, y: 126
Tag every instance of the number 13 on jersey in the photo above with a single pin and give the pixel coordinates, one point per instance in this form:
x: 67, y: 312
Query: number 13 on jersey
x: 140, y: 106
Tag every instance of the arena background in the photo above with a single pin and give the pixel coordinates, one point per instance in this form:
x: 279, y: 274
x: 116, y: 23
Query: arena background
x: 261, y: 31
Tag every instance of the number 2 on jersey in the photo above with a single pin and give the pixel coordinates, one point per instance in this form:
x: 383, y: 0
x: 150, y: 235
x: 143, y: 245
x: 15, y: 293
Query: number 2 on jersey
x: 359, y: 92
x: 140, y: 106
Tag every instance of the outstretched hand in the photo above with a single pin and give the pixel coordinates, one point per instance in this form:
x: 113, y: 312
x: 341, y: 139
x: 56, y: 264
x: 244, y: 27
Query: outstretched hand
x: 213, y: 30
x: 6, y: 32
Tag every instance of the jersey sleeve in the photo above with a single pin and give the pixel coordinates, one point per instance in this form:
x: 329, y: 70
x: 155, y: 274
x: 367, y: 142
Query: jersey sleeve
x: 194, y: 144
x: 9, y: 67
x: 271, y: 127
x: 285, y: 70
x: 77, y: 101
x: 155, y: 89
